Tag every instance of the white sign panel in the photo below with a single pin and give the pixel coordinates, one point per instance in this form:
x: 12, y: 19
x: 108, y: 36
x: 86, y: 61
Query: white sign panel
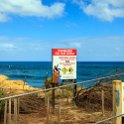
x: 64, y: 61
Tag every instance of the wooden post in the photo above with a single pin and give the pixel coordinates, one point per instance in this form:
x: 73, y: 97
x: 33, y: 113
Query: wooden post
x: 102, y: 102
x: 53, y: 97
x: 47, y: 108
x: 5, y: 112
x: 10, y: 120
x: 75, y: 88
x: 15, y: 111
x: 59, y: 112
x: 117, y: 101
x: 18, y: 104
x: 45, y: 98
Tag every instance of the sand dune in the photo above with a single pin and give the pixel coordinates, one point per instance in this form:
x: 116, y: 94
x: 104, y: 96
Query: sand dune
x: 17, y: 85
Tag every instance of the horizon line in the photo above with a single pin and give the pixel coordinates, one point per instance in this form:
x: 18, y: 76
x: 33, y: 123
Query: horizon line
x: 51, y: 61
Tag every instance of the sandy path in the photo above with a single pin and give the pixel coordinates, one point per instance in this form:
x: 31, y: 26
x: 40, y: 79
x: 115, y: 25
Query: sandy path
x: 70, y: 114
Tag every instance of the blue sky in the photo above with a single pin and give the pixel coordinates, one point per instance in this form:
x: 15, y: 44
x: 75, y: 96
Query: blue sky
x: 29, y: 29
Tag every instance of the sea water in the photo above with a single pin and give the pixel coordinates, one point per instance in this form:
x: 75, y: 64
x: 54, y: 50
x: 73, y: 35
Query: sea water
x: 34, y: 73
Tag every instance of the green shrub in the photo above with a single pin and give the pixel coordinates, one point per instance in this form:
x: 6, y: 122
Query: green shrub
x: 48, y: 83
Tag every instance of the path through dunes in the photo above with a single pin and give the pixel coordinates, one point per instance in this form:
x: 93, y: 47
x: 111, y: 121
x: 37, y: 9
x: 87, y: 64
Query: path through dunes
x: 70, y: 114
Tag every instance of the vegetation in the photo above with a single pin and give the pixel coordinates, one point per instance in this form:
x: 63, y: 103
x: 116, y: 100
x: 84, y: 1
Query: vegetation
x: 2, y: 94
x: 48, y: 83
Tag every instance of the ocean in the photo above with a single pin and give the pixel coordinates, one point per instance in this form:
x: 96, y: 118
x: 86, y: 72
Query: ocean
x: 34, y: 73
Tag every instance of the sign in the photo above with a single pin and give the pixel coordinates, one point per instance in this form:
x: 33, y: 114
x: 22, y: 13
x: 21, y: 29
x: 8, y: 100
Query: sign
x: 64, y: 63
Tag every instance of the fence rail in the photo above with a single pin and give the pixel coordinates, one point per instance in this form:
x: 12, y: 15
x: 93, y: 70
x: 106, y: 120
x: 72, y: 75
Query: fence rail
x: 108, y: 119
x: 45, y: 90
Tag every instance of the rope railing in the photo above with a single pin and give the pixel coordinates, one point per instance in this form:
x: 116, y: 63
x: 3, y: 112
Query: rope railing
x: 108, y: 119
x: 45, y: 90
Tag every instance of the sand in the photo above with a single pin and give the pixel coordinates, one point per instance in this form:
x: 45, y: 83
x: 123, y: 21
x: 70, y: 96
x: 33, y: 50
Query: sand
x: 15, y: 86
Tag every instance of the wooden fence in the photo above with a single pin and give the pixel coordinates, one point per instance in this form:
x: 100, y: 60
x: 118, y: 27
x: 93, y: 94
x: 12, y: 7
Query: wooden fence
x: 16, y: 100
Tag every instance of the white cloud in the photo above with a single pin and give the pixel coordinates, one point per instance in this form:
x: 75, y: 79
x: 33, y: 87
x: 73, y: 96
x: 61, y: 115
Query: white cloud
x: 29, y: 8
x: 103, y: 9
x: 7, y: 46
x: 109, y: 48
x: 3, y: 17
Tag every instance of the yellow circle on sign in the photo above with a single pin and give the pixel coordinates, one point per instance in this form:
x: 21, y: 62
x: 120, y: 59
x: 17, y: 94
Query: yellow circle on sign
x: 70, y: 69
x: 64, y: 70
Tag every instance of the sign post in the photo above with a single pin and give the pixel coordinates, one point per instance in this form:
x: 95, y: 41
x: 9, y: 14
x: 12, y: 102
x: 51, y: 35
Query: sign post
x: 118, y: 101
x: 64, y: 66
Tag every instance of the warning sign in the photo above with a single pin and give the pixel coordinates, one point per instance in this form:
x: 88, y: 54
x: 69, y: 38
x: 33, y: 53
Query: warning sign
x: 64, y: 62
